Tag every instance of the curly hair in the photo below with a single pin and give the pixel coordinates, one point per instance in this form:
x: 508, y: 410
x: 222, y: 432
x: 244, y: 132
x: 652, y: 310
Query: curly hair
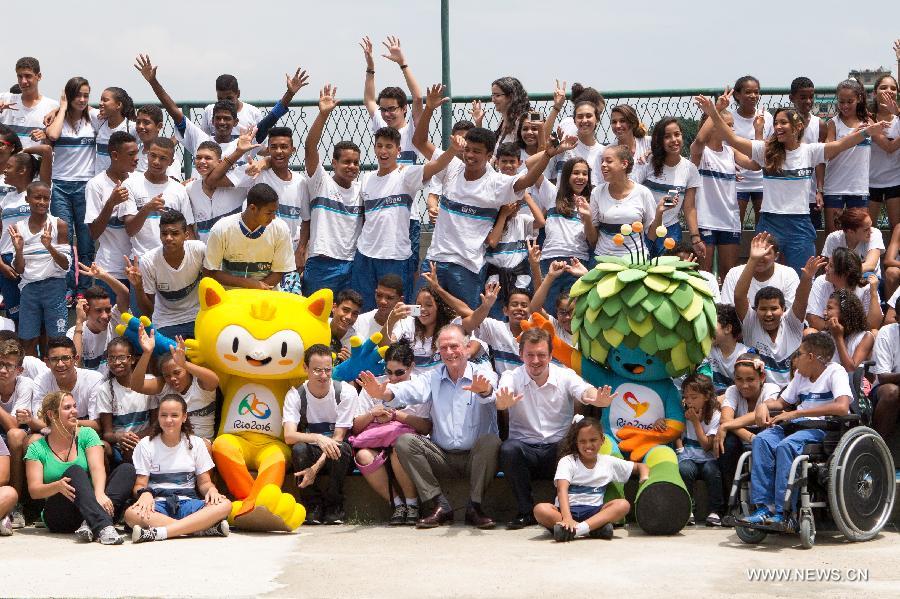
x: 775, y: 151
x: 851, y: 314
x: 845, y: 263
x: 658, y: 145
x: 445, y: 315
x: 518, y: 104
x: 569, y: 443
x: 703, y: 385
x: 726, y: 315
x: 565, y: 195
x: 187, y: 429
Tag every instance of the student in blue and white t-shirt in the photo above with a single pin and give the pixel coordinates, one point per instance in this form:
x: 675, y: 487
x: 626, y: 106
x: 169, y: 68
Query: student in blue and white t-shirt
x: 210, y: 204
x: 173, y: 490
x: 116, y: 114
x: 787, y: 173
x: 333, y: 210
x: 25, y: 111
x: 751, y: 121
x: 473, y: 195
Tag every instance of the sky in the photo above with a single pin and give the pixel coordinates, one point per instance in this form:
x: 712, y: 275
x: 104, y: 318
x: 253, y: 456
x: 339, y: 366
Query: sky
x: 609, y: 45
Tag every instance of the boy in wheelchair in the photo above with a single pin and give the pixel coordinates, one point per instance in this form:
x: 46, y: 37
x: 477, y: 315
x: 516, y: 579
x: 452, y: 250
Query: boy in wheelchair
x: 819, y: 388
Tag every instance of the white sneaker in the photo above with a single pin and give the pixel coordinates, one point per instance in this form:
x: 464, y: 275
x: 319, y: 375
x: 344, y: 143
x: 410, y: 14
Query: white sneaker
x: 17, y: 517
x: 6, y: 528
x: 84, y: 534
x: 713, y: 519
x: 110, y: 536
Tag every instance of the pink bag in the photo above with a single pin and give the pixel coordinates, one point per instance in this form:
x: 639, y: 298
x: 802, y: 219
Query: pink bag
x: 380, y: 434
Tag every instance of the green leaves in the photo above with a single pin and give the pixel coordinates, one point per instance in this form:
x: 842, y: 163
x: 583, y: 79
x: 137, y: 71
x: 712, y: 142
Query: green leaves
x: 665, y: 308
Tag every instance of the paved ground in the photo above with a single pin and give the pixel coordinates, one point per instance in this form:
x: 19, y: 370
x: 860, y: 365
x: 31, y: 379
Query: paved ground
x: 374, y: 561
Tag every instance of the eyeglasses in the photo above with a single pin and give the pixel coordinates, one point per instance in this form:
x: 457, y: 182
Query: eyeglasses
x: 321, y: 371
x: 388, y: 108
x: 60, y: 359
x: 398, y: 372
x: 118, y: 359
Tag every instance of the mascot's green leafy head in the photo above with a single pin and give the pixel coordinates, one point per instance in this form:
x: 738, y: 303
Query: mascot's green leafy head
x: 661, y: 306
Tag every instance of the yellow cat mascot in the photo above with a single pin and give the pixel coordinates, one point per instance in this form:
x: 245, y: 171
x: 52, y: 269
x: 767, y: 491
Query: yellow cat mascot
x: 254, y: 340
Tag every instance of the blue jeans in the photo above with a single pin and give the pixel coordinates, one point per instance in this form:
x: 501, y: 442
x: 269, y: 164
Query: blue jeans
x: 366, y: 271
x: 709, y: 471
x: 562, y: 283
x: 9, y: 288
x: 673, y: 231
x: 458, y: 280
x: 185, y: 329
x: 773, y: 451
x: 415, y: 232
x: 322, y: 272
x: 68, y: 203
x: 795, y: 236
x: 45, y: 303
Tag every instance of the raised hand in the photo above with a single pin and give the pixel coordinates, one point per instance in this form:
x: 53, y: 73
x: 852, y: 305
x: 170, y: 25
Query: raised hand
x: 506, y: 398
x: 371, y: 385
x: 394, y: 52
x: 534, y: 251
x: 576, y: 268
x: 557, y: 267
x: 247, y: 140
x: 480, y: 384
x: 366, y: 45
x: 145, y: 67
x: 760, y: 246
x: 897, y: 49
x: 583, y: 206
x: 602, y: 398
x: 759, y: 121
x: 118, y: 195
x: 705, y: 104
x: 457, y: 144
x: 179, y: 351
x: 559, y: 95
x: 133, y: 271
x: 434, y: 96
x: 568, y: 143
x: 81, y: 310
x: 146, y: 341
x: 476, y: 111
x: 297, y: 81
x: 491, y: 291
x: 47, y: 236
x: 328, y: 98
x: 813, y: 264
x: 888, y: 101
x: 93, y: 271
x: 255, y: 167
x: 724, y: 101
x: 17, y: 240
x: 431, y: 277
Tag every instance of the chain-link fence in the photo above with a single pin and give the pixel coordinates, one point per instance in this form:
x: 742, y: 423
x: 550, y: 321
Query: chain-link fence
x: 350, y: 121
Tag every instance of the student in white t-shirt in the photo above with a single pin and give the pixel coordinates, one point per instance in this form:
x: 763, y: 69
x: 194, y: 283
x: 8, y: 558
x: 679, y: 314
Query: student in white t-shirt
x: 18, y: 417
x: 884, y: 161
x: 726, y: 347
x: 166, y: 278
x: 750, y: 121
x: 317, y: 418
x: 227, y: 89
x: 819, y: 388
x: 586, y: 118
x: 64, y: 375
x: 562, y: 306
x: 384, y: 245
x: 473, y: 194
x: 579, y: 93
x: 116, y: 114
x: 174, y: 493
x: 696, y: 455
x: 767, y: 273
x: 73, y: 135
x: 147, y: 127
x: 886, y: 393
x: 843, y: 272
x: 788, y: 170
x: 802, y: 96
x: 151, y: 194
x: 96, y: 318
x: 855, y: 231
x: 771, y: 329
x: 847, y: 173
x: 845, y: 321
x: 581, y: 478
x: 24, y: 112
x: 210, y: 204
x: 106, y: 195
x: 630, y: 132
x: 620, y: 201
x: 125, y: 414
x: 332, y: 211
x: 388, y: 294
x: 251, y: 249
x: 670, y: 175
x: 718, y: 213
x: 193, y: 383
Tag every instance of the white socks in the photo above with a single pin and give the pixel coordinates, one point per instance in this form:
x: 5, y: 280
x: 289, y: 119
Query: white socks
x: 161, y: 533
x: 582, y: 529
x: 413, y: 501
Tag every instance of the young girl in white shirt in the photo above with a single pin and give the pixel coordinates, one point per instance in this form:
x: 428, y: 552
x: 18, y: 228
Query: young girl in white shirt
x: 845, y: 321
x: 582, y: 477
x: 696, y: 458
x: 631, y: 133
x: 884, y: 161
x: 587, y: 117
x: 511, y: 102
x: 750, y: 122
x: 116, y: 114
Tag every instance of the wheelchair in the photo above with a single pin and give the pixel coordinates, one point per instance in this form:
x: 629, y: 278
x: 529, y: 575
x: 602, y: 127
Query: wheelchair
x: 846, y: 482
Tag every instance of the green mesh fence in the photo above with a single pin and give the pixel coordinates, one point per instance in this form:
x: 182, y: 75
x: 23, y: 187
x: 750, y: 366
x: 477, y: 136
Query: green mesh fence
x: 350, y: 121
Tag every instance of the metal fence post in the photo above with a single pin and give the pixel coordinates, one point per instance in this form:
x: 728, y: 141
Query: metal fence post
x: 447, y: 108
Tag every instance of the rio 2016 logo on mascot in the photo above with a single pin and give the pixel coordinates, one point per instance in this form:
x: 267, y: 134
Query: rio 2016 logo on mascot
x: 638, y: 323
x: 254, y: 340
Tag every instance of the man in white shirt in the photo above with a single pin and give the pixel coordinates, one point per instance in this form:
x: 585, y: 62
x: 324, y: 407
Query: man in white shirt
x: 388, y: 294
x: 63, y: 375
x: 24, y: 112
x: 766, y: 273
x: 540, y: 397
x: 227, y: 89
x: 887, y: 392
x: 464, y: 441
x: 17, y: 411
x: 96, y: 319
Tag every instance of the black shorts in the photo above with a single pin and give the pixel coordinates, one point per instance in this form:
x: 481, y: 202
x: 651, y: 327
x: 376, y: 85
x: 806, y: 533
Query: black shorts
x: 881, y: 194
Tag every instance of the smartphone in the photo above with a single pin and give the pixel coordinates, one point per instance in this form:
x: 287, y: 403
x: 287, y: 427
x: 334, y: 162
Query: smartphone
x: 534, y: 116
x: 671, y: 198
x: 415, y: 310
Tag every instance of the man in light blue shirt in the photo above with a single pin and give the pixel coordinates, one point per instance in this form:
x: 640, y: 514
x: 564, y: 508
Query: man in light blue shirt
x: 464, y: 440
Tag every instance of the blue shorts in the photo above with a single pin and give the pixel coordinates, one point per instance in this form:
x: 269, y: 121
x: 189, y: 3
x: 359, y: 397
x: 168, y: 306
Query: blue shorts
x: 746, y: 196
x: 713, y: 237
x: 580, y: 513
x: 846, y: 201
x: 45, y: 303
x: 184, y: 508
x: 10, y: 290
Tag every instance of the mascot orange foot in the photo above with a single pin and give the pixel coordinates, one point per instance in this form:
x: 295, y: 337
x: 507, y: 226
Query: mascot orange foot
x: 254, y: 340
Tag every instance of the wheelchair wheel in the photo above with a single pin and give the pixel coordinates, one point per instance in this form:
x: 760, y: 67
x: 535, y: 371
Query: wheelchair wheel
x: 807, y: 531
x: 750, y: 536
x: 861, y: 484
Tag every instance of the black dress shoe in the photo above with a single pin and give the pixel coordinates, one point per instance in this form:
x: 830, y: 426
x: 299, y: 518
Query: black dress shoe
x: 478, y: 519
x: 521, y: 521
x: 435, y: 518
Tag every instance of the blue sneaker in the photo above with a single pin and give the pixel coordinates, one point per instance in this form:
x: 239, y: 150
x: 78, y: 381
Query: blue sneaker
x: 760, y: 516
x: 781, y: 523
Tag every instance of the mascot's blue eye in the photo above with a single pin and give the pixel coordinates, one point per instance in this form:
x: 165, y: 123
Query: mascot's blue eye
x: 234, y: 345
x: 284, y: 349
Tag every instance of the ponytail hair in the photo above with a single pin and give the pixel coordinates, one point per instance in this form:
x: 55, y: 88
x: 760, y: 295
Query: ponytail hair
x: 125, y: 100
